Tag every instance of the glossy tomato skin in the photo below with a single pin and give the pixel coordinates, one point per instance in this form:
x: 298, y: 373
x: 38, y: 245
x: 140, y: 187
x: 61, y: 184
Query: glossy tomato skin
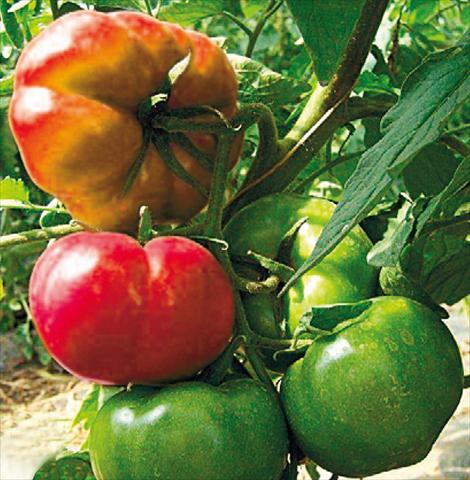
x: 342, y: 276
x: 375, y: 395
x: 113, y: 312
x: 190, y: 431
x: 74, y: 113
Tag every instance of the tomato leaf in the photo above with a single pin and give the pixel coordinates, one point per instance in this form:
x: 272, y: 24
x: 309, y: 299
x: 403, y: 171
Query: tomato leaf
x: 12, y: 189
x: 439, y: 262
x: 430, y: 171
x: 326, y: 28
x: 187, y: 12
x: 387, y: 251
x: 284, y: 272
x: 117, y: 4
x: 96, y: 398
x: 329, y: 318
x: 250, y: 8
x: 430, y: 94
x: 449, y: 200
x: 259, y: 84
x: 12, y: 27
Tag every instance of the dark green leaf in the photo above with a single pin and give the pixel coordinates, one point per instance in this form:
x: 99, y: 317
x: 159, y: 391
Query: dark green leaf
x: 372, y: 82
x: 68, y: 7
x: 188, y: 12
x: 330, y: 317
x: 439, y: 263
x: 430, y: 171
x: 284, y: 272
x: 449, y: 200
x: 429, y: 96
x: 107, y: 5
x: 12, y: 27
x: 326, y: 27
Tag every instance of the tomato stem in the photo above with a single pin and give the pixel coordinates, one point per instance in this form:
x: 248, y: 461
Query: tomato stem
x: 40, y: 234
x: 185, y: 143
x: 215, y: 373
x: 162, y: 144
x: 217, y: 193
x: 54, y: 8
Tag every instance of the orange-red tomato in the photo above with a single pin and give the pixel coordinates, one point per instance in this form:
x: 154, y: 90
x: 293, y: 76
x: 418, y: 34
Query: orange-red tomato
x: 78, y: 87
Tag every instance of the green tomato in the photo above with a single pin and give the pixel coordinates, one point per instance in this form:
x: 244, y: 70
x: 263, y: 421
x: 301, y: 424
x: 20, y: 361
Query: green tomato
x: 375, y: 395
x: 342, y: 276
x: 190, y: 431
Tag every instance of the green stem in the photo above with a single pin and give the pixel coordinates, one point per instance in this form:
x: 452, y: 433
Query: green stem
x: 15, y: 204
x: 158, y: 7
x: 270, y: 10
x: 268, y: 145
x: 460, y: 129
x: 175, y: 124
x: 216, y: 197
x: 185, y: 143
x: 215, y: 373
x: 456, y: 144
x: 242, y: 327
x: 185, y: 231
x: 277, y: 343
x: 238, y: 22
x: 162, y: 144
x: 13, y: 239
x: 338, y: 88
x: 136, y: 166
x: 148, y: 7
x: 54, y: 8
x: 466, y: 381
x: 293, y: 161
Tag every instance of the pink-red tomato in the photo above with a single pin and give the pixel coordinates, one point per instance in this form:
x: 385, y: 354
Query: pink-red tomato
x: 113, y: 312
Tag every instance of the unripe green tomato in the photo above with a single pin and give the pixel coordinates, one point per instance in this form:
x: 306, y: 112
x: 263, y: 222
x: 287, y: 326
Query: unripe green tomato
x: 342, y: 276
x: 190, y: 431
x: 375, y: 395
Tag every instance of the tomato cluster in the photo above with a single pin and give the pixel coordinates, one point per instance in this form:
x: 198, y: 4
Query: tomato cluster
x: 373, y: 387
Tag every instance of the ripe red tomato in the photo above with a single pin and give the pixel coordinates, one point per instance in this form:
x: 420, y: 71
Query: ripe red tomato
x: 113, y: 312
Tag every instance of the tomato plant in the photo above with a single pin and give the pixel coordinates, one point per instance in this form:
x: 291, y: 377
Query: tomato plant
x: 294, y: 178
x: 113, y: 312
x: 191, y: 430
